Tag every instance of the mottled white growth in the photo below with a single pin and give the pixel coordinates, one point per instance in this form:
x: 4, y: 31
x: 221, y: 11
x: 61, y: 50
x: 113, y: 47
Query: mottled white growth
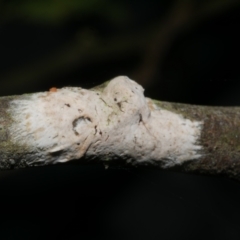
x: 117, y: 121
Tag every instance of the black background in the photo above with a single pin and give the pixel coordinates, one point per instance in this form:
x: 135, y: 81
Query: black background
x: 199, y: 65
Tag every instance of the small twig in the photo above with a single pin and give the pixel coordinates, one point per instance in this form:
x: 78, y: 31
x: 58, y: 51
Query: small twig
x: 47, y: 127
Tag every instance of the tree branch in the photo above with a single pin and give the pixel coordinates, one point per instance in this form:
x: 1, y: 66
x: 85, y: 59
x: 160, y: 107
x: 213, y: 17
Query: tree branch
x: 114, y: 122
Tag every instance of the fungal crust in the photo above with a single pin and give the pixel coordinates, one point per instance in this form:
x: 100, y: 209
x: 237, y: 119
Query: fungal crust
x: 115, y: 121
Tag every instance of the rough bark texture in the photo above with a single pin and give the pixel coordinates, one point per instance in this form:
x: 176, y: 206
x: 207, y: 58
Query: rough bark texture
x: 11, y: 155
x: 220, y: 137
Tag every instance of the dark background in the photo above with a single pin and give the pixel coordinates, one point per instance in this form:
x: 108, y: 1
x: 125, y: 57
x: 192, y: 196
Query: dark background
x: 179, y: 50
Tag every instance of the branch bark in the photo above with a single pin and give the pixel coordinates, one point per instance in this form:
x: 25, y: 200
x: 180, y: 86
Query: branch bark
x: 115, y: 123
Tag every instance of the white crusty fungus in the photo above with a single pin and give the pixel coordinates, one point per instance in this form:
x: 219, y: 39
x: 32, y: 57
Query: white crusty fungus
x: 116, y: 121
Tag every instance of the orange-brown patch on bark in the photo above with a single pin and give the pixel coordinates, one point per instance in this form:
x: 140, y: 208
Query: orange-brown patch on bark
x: 53, y: 89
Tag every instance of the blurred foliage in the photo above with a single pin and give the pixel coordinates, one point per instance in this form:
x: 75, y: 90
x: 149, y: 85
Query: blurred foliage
x: 58, y: 11
x: 168, y: 46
